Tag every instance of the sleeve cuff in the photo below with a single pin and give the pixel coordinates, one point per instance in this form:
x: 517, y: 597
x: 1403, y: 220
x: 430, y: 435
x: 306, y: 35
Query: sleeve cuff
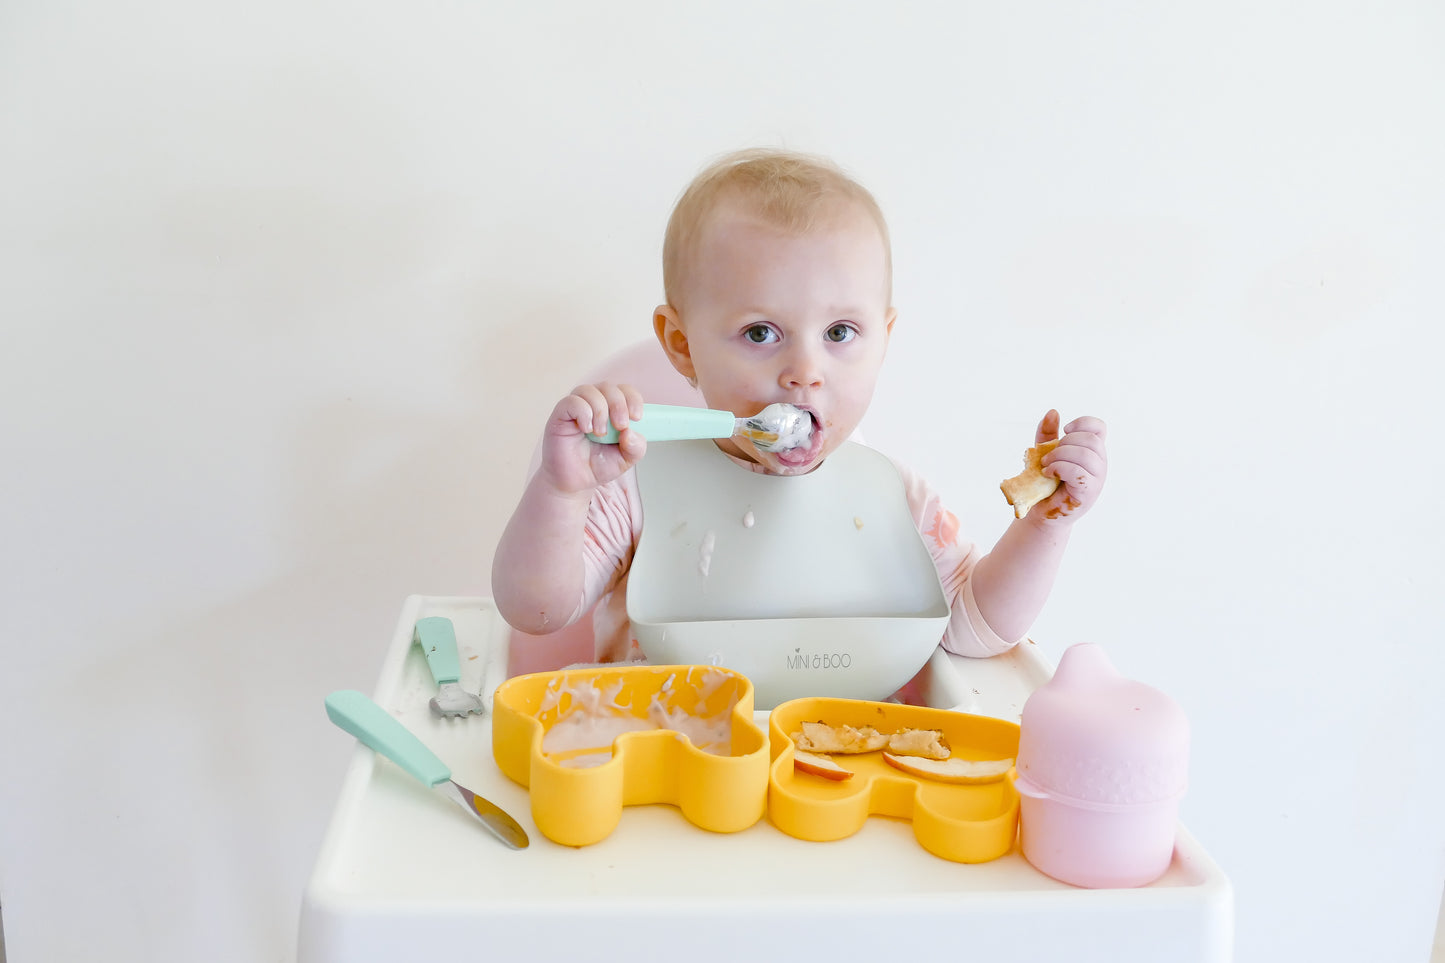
x: 969, y: 635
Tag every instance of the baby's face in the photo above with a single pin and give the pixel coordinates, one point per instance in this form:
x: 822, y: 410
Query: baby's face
x: 776, y: 317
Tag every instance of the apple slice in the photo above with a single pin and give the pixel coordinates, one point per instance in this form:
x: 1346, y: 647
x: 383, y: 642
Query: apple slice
x: 820, y: 765
x: 951, y: 770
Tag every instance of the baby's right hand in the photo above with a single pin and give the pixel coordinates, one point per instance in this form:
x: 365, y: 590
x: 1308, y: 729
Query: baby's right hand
x: 571, y: 463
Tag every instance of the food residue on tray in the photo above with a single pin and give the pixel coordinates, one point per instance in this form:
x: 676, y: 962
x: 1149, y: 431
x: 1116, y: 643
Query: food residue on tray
x: 583, y: 734
x: 704, y: 552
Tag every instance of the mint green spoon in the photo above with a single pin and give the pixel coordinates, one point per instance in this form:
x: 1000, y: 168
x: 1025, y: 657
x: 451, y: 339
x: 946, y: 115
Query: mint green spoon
x: 778, y: 427
x: 379, y: 730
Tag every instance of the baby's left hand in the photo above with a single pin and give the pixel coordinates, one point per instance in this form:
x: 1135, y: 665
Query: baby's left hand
x: 1080, y: 463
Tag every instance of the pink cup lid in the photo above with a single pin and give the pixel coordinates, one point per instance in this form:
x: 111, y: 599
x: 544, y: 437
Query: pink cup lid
x: 1094, y: 737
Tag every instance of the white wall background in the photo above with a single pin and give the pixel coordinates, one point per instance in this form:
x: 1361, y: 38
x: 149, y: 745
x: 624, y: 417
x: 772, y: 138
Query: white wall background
x: 287, y: 290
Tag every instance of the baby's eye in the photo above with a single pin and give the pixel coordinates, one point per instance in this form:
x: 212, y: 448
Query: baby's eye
x: 760, y: 334
x: 841, y: 332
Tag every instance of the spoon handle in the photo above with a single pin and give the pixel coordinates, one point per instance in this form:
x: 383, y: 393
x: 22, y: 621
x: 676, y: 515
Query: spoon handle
x: 380, y: 731
x: 675, y: 423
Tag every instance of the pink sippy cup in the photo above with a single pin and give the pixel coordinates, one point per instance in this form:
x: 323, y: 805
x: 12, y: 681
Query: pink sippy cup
x: 1102, y: 764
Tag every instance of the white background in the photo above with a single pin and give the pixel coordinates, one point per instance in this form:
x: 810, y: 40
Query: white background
x: 288, y: 289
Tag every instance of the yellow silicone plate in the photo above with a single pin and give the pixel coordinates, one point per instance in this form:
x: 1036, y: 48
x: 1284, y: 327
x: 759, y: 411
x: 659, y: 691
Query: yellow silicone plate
x: 723, y: 791
x: 963, y: 823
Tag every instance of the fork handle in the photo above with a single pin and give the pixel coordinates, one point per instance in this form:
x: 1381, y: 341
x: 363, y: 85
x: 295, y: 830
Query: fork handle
x: 438, y: 641
x: 383, y: 733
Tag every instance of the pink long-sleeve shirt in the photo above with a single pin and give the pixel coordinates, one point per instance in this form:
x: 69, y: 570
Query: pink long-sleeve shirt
x: 614, y: 524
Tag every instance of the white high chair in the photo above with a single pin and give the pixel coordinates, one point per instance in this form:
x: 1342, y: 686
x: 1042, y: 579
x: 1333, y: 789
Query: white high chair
x: 402, y: 875
x: 645, y: 366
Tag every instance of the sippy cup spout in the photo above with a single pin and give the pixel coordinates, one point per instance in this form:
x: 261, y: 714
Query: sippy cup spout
x: 1082, y: 665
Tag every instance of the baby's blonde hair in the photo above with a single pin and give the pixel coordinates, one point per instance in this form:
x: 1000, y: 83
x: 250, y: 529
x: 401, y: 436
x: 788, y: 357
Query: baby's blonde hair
x: 789, y: 190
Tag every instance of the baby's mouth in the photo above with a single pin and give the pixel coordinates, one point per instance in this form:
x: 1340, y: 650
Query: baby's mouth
x: 803, y: 455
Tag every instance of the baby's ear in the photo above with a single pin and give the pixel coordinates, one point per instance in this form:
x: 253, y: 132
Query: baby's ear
x: 668, y: 327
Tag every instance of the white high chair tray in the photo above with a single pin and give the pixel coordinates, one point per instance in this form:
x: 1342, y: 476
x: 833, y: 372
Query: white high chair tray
x: 404, y: 874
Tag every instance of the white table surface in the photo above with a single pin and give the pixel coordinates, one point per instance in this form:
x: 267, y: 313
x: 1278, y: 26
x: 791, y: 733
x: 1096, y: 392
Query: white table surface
x: 404, y: 874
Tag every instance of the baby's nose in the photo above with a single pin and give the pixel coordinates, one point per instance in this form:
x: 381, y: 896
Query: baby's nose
x: 802, y: 368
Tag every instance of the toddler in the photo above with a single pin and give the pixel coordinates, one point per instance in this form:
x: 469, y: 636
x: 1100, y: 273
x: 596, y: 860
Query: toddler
x: 778, y: 277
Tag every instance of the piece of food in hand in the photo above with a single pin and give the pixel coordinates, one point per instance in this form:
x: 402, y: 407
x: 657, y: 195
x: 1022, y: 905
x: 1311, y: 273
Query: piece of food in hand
x: 951, y: 770
x: 1030, y: 486
x: 919, y: 742
x: 821, y: 737
x: 820, y: 766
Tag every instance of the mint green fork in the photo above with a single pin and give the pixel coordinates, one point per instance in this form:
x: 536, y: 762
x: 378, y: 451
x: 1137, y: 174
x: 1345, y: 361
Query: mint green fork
x: 438, y: 641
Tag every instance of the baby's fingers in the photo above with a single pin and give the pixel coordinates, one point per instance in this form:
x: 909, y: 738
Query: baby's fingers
x: 573, y: 414
x: 1081, y: 446
x: 1075, y: 465
x: 607, y: 405
x: 1088, y: 423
